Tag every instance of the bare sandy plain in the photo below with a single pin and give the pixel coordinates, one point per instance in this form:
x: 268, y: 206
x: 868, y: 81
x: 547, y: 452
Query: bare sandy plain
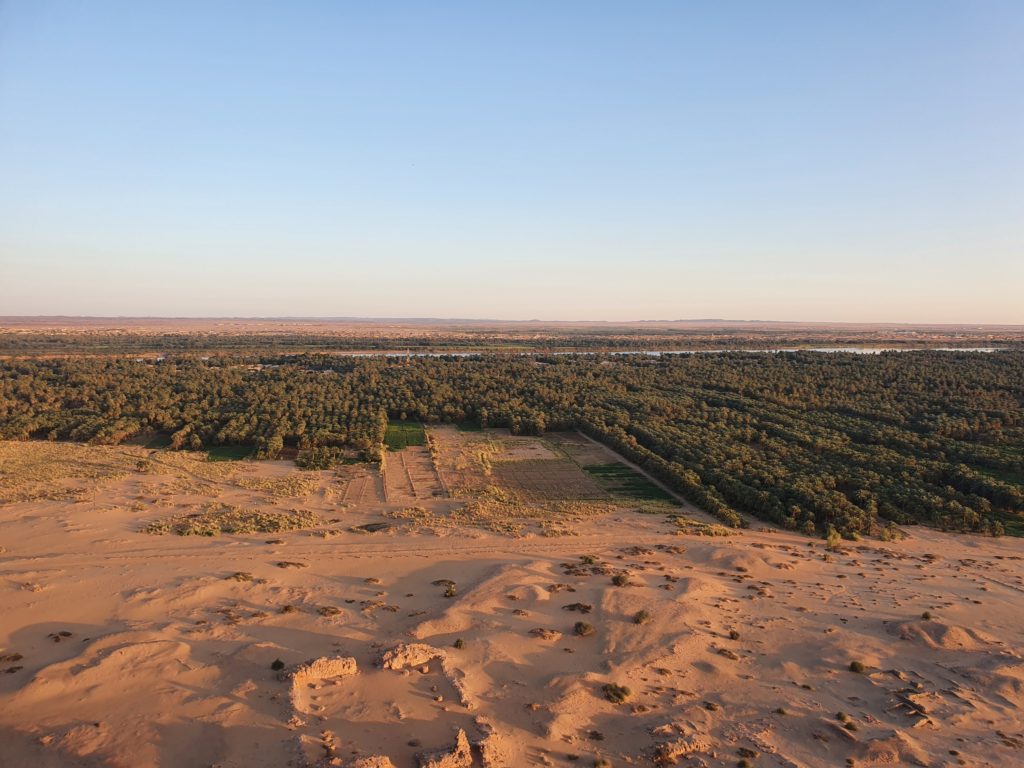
x: 482, y: 585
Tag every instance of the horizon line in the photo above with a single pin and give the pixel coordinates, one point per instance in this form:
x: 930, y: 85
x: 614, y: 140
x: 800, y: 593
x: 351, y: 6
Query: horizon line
x: 387, y: 318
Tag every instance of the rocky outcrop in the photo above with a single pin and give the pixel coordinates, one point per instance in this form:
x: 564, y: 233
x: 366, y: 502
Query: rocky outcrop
x: 323, y: 668
x: 668, y: 752
x: 377, y: 761
x: 409, y: 655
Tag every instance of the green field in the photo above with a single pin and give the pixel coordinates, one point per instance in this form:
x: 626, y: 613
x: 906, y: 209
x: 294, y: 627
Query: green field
x: 400, y: 434
x: 229, y: 452
x: 161, y: 440
x: 621, y: 480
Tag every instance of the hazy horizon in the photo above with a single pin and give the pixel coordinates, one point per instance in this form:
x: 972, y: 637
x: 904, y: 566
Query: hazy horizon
x: 859, y: 163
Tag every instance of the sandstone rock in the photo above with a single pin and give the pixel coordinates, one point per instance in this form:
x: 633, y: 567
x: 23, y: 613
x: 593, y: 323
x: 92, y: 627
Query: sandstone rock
x: 409, y: 655
x: 323, y: 668
x: 673, y: 750
x: 376, y: 761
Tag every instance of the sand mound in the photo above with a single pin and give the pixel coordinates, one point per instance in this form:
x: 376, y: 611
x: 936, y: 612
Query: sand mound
x: 739, y: 562
x: 896, y: 749
x: 521, y: 584
x: 1002, y: 681
x: 937, y: 635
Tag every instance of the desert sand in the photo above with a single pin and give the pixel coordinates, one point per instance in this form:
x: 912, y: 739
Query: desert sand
x: 461, y: 608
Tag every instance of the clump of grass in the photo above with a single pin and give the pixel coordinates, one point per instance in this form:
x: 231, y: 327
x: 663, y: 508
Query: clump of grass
x: 620, y: 580
x: 288, y: 609
x: 734, y: 635
x: 588, y: 559
x: 926, y: 616
x: 459, y: 644
x: 582, y: 629
x: 277, y: 665
x: 241, y: 576
x: 856, y: 666
x: 846, y: 720
x: 641, y: 617
x: 698, y: 528
x: 833, y: 541
x: 328, y: 610
x: 616, y: 693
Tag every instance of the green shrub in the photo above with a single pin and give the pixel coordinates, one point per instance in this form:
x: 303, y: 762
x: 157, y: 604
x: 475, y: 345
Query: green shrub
x: 582, y: 629
x: 615, y: 693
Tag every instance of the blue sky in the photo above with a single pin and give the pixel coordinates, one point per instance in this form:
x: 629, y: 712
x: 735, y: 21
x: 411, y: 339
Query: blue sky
x: 572, y: 160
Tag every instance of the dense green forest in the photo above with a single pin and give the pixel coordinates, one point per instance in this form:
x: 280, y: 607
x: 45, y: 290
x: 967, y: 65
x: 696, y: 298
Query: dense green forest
x: 806, y: 440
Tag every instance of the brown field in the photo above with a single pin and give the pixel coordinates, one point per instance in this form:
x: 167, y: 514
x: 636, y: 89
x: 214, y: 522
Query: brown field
x: 538, y: 479
x: 517, y: 618
x: 410, y: 476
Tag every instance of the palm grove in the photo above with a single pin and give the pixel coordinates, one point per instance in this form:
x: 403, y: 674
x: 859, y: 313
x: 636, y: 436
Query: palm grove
x: 806, y: 440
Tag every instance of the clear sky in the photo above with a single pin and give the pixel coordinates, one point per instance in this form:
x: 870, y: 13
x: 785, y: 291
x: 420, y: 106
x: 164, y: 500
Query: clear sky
x: 814, y: 160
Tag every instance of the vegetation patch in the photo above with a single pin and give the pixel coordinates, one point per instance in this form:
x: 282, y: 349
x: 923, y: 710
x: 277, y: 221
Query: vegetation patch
x: 621, y: 480
x: 401, y: 434
x: 220, y: 518
x: 229, y: 452
x: 615, y: 693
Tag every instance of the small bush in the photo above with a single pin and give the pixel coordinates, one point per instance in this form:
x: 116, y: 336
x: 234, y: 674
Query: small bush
x: 615, y: 693
x: 460, y: 644
x: 734, y: 635
x: 926, y: 616
x: 277, y: 665
x: 833, y: 540
x: 582, y: 629
x: 620, y: 580
x: 856, y: 666
x: 641, y: 617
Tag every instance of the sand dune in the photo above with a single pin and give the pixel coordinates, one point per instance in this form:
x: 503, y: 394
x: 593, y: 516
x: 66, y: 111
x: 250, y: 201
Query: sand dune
x: 628, y: 642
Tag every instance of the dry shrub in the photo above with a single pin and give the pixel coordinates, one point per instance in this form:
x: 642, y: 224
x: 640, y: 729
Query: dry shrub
x: 221, y: 518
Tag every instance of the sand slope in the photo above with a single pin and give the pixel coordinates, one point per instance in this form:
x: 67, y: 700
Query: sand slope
x: 742, y: 650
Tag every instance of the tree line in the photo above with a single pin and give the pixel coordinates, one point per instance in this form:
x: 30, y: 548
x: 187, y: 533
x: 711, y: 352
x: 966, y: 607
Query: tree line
x: 806, y: 440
